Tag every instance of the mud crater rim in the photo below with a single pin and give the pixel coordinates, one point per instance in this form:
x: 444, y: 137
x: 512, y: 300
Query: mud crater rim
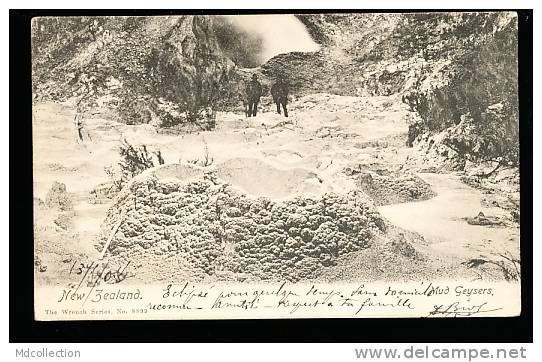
x: 253, y: 177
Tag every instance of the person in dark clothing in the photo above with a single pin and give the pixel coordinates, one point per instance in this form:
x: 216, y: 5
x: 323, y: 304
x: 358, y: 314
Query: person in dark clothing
x: 254, y: 92
x: 279, y: 91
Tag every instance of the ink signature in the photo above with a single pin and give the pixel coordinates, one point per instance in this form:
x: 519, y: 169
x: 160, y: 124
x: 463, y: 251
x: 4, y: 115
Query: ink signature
x: 456, y: 309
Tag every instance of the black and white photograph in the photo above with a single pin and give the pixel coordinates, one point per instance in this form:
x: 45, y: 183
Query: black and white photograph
x: 297, y: 165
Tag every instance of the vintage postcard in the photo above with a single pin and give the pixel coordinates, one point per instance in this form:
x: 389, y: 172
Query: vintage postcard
x: 350, y: 165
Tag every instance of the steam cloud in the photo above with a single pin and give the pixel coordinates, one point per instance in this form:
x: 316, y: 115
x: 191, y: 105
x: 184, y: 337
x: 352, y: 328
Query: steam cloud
x: 251, y: 40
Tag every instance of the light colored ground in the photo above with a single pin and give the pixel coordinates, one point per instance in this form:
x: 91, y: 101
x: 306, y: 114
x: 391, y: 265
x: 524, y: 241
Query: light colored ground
x: 441, y: 220
x: 324, y: 134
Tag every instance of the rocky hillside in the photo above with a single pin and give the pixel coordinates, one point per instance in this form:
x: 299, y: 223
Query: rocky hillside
x: 138, y: 66
x: 368, y: 54
x: 456, y: 71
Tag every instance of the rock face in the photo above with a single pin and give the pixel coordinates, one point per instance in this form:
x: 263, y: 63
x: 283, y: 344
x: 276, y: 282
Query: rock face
x: 387, y: 53
x: 457, y: 72
x: 468, y: 102
x: 189, y: 66
x: 144, y: 66
x: 340, y: 66
x: 218, y: 228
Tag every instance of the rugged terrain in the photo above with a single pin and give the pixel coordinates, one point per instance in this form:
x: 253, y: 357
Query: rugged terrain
x: 334, y: 192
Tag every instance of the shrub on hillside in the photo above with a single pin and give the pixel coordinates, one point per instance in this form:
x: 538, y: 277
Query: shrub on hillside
x: 134, y: 160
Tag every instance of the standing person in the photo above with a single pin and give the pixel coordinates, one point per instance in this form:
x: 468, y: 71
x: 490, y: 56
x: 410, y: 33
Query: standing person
x: 254, y: 92
x: 280, y: 91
